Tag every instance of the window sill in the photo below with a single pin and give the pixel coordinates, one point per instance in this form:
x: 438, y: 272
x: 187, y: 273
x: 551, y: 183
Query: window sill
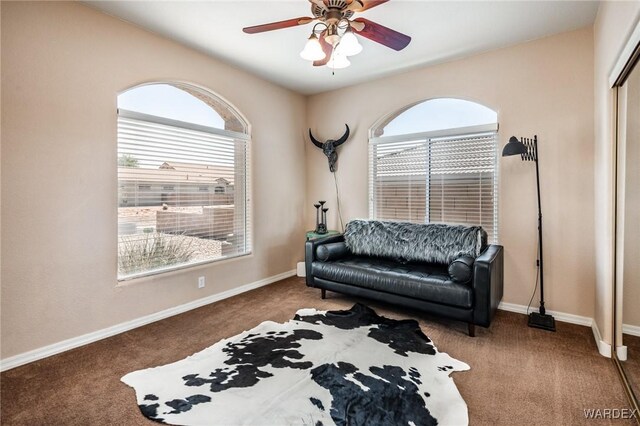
x: 153, y: 275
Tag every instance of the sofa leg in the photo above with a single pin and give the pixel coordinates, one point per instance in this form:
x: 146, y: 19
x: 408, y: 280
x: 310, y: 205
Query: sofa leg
x: 472, y: 329
x: 323, y: 293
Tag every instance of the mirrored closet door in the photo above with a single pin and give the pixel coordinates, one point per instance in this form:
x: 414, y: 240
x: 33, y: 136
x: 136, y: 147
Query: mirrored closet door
x: 627, y: 329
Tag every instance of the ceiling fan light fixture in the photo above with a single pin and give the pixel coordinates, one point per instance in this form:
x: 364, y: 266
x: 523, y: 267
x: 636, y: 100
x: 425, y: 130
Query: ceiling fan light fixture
x: 338, y: 61
x: 349, y: 44
x: 332, y: 37
x: 312, y: 49
x: 335, y: 34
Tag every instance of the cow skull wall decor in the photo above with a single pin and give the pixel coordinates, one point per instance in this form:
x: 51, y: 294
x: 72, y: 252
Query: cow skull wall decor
x: 329, y: 148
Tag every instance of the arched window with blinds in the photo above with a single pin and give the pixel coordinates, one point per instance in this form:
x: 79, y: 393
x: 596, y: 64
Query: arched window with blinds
x: 436, y: 162
x: 183, y: 179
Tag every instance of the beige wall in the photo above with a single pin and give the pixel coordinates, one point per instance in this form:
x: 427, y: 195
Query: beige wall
x: 64, y: 63
x: 63, y: 66
x: 613, y: 25
x: 543, y: 87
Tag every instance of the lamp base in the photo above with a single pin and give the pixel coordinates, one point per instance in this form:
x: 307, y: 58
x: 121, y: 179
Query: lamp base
x: 545, y: 322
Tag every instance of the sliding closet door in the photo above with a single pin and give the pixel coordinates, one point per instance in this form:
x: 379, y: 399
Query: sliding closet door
x: 628, y: 224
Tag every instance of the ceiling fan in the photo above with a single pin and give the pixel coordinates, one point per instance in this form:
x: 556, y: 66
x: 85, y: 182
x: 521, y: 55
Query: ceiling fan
x: 332, y: 38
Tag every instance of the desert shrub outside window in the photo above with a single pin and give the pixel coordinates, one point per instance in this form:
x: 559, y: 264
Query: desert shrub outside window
x: 183, y: 179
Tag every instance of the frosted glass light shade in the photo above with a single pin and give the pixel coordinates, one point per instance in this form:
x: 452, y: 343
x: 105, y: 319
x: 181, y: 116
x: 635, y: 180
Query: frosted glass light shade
x: 338, y: 61
x: 312, y: 50
x: 349, y: 45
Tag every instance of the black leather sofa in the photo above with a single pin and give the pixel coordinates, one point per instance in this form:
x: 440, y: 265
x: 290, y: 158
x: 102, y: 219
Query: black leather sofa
x: 423, y: 286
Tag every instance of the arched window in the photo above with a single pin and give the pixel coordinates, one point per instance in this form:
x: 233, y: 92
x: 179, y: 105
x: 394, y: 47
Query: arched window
x: 436, y: 161
x: 175, y: 141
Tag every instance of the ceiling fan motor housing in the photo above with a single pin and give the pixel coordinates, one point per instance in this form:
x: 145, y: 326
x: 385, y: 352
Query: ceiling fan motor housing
x: 334, y: 11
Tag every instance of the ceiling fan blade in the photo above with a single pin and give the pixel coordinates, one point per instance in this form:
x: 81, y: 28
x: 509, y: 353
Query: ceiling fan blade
x: 278, y: 25
x: 357, y: 26
x: 362, y: 5
x: 355, y: 5
x: 327, y: 48
x: 383, y: 35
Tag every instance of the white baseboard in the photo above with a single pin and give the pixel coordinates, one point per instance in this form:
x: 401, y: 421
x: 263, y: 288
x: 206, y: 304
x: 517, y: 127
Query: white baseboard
x: 603, y: 347
x: 56, y: 348
x: 633, y: 330
x: 65, y: 345
x: 559, y: 316
x: 621, y: 352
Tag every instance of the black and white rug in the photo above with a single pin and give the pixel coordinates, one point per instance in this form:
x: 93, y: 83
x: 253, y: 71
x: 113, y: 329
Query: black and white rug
x: 336, y: 367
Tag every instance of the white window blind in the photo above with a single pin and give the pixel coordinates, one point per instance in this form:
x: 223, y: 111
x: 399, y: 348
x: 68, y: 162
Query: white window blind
x: 440, y: 177
x: 183, y: 194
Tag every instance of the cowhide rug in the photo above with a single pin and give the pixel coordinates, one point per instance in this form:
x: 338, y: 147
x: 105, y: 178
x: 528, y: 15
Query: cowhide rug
x: 345, y: 367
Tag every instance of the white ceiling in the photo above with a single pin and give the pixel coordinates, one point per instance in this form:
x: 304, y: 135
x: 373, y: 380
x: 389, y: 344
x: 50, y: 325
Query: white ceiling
x: 440, y: 31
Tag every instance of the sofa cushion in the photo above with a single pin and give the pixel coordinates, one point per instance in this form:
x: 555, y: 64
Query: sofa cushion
x: 461, y: 269
x: 331, y: 251
x: 419, y: 242
x: 421, y: 281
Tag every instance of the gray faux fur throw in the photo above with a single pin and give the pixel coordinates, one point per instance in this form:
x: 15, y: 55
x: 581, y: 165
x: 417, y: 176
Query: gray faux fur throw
x: 431, y: 242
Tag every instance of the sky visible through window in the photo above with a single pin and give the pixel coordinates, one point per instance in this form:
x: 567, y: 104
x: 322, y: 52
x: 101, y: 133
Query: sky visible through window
x: 164, y: 100
x: 439, y: 114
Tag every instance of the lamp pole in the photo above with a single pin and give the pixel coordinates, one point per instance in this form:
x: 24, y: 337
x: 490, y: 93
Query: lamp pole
x: 528, y: 150
x: 541, y: 257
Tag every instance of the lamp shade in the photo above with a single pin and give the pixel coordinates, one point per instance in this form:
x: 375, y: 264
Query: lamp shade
x: 312, y: 50
x: 349, y: 45
x: 338, y: 61
x: 514, y: 147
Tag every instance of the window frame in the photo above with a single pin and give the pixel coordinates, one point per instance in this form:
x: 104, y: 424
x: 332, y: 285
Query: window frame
x: 134, y: 115
x: 245, y: 137
x: 426, y: 136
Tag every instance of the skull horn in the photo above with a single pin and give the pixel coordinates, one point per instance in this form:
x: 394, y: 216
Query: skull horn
x: 344, y: 137
x: 315, y: 141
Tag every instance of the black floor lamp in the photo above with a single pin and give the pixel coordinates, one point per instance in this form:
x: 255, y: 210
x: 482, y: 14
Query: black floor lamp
x: 528, y: 150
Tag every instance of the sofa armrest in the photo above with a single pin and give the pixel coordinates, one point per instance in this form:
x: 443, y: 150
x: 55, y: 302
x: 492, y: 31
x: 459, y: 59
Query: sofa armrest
x: 488, y: 281
x: 310, y: 252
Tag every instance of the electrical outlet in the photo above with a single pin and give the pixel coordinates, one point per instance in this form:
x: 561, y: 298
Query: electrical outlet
x: 201, y: 282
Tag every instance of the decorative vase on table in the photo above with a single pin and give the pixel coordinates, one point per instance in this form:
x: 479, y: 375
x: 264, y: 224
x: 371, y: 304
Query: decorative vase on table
x: 321, y: 217
x: 317, y: 206
x: 320, y: 231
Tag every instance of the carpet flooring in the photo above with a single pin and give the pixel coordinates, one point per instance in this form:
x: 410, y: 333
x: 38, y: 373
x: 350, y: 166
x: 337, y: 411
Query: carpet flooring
x: 632, y: 364
x: 518, y: 375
